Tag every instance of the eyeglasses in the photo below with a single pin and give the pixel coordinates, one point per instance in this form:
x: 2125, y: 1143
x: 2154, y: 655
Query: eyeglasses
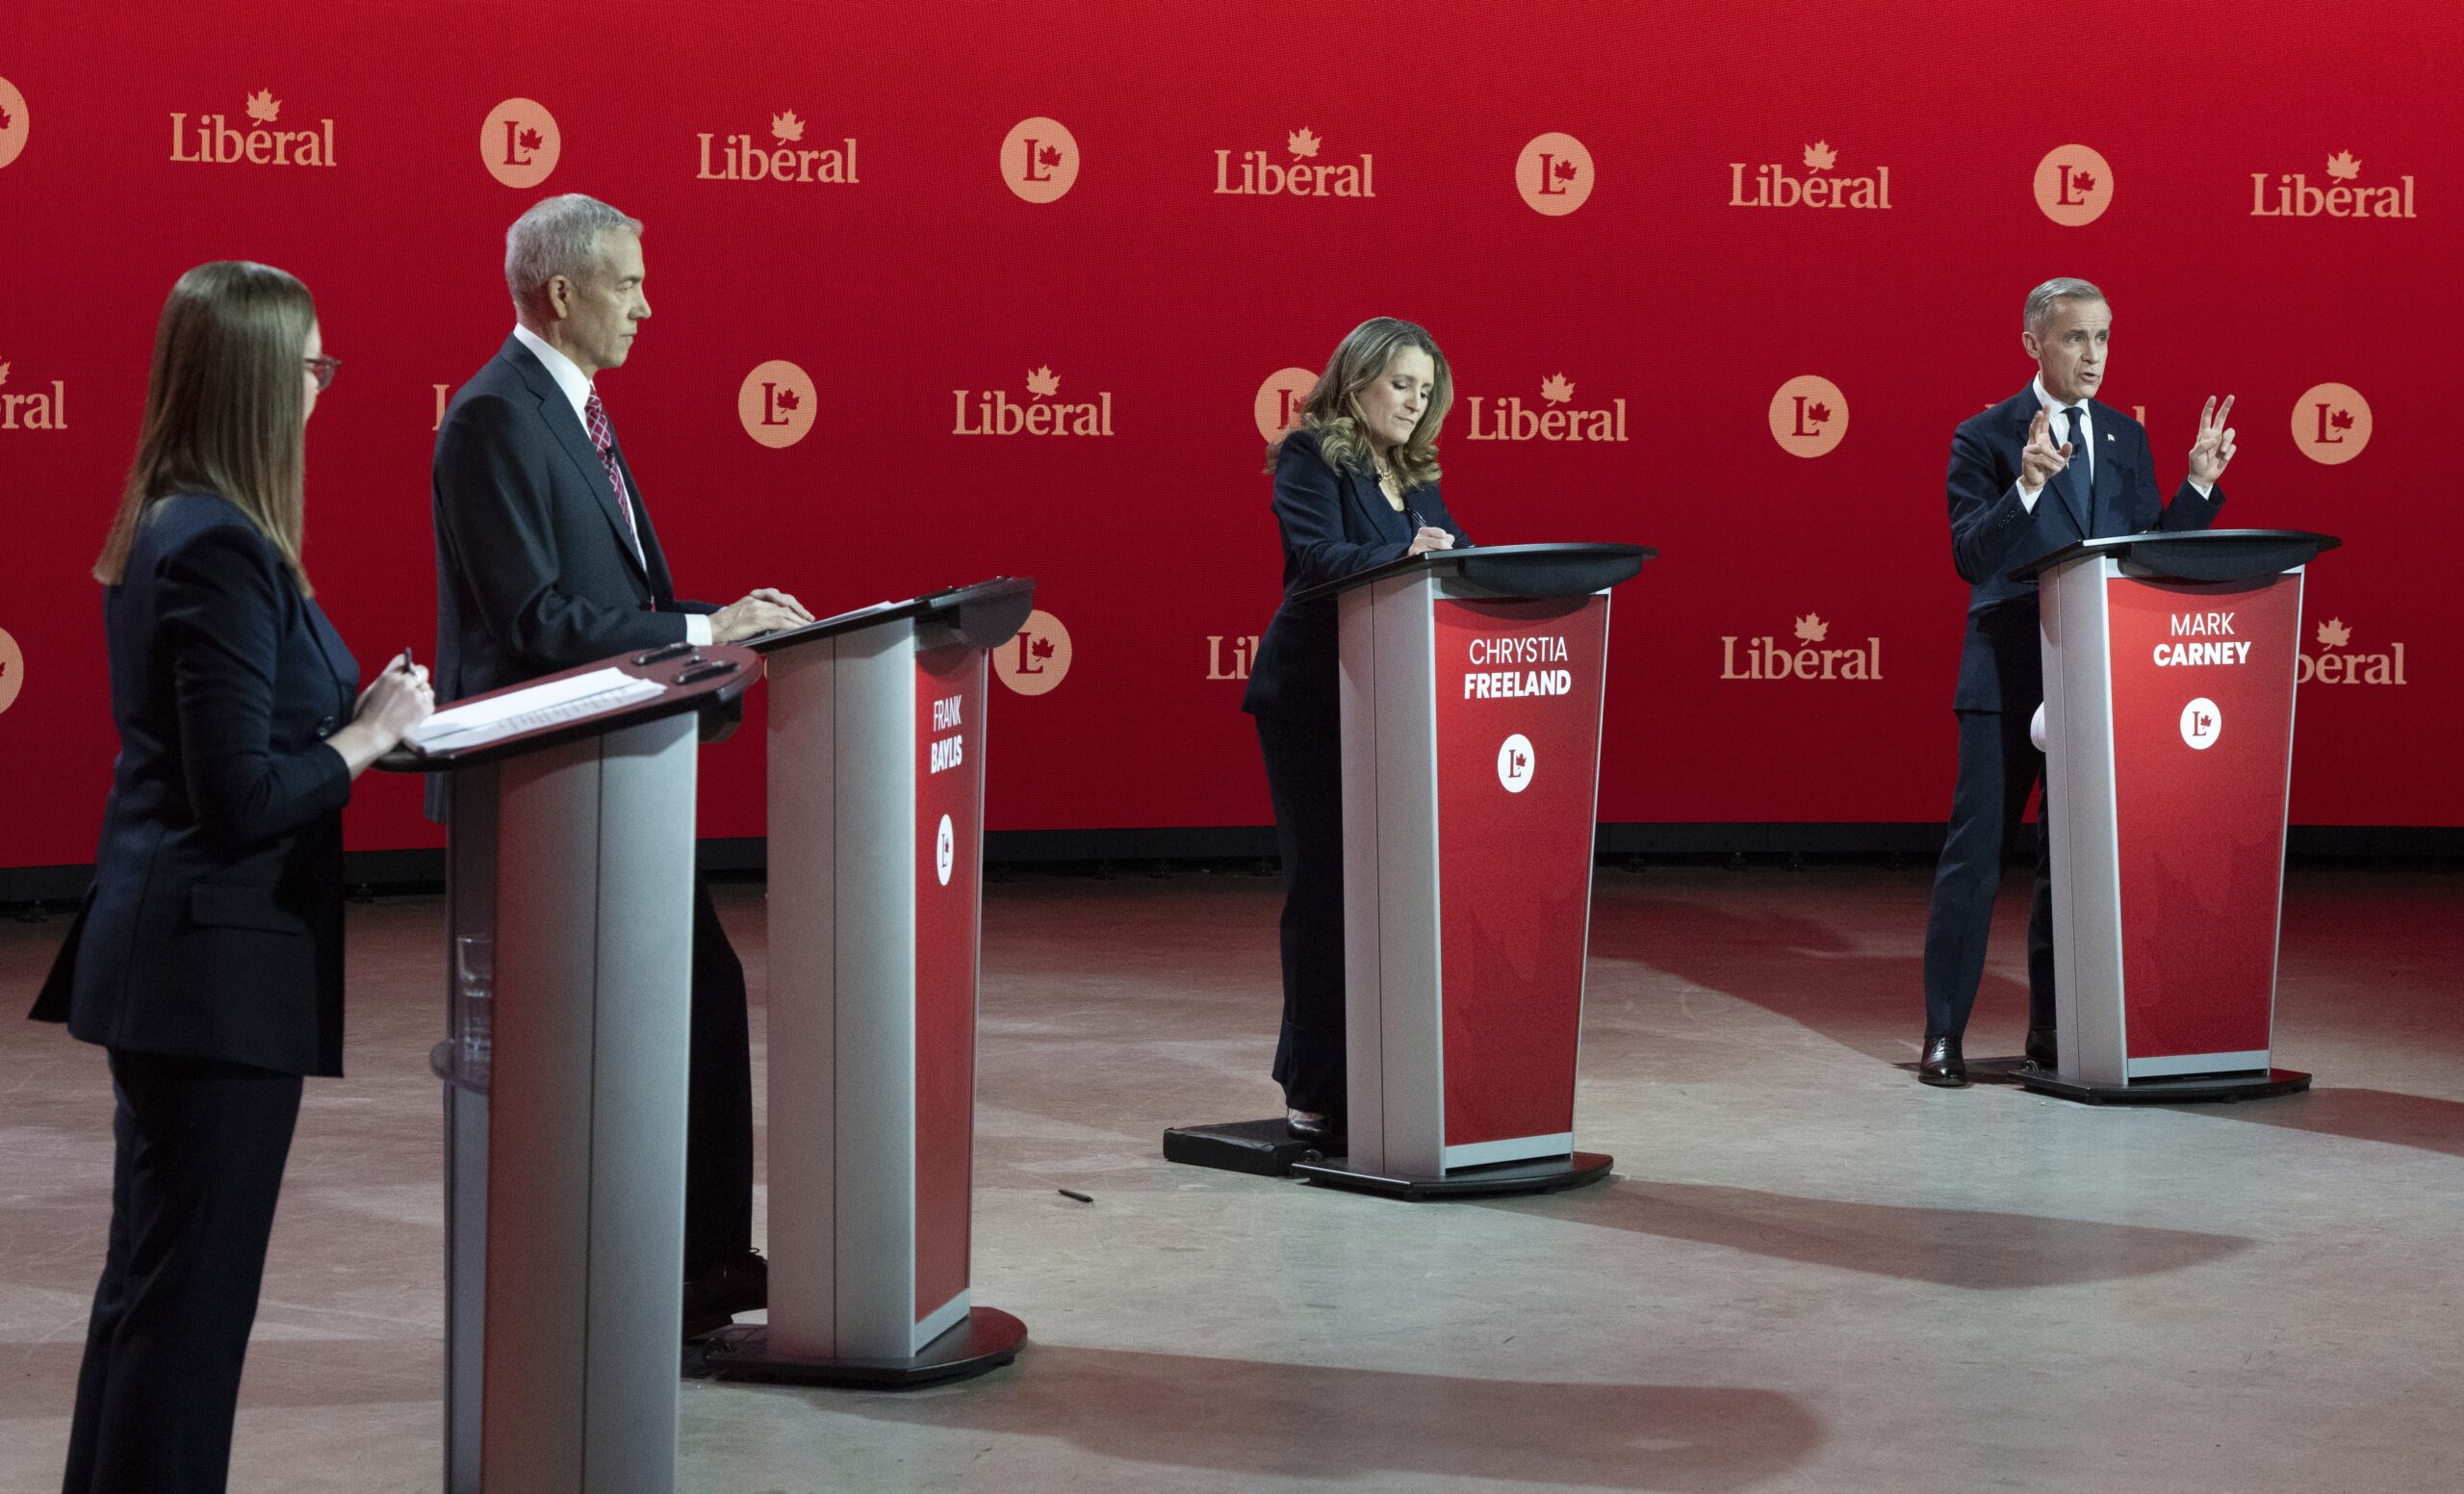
x: 324, y: 369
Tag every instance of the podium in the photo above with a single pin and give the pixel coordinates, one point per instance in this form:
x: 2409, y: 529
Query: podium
x: 876, y: 839
x: 2169, y: 689
x: 1471, y: 683
x: 570, y: 879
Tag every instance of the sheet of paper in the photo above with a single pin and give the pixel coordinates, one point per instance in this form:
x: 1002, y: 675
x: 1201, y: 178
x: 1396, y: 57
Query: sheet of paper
x: 517, y: 711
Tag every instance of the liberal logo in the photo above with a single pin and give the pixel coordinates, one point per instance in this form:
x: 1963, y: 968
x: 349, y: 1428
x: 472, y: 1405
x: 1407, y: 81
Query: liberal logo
x: 738, y: 158
x: 1036, y: 659
x: 14, y: 125
x: 2293, y: 195
x: 1232, y: 665
x: 2201, y: 724
x: 1260, y: 175
x: 12, y: 670
x: 32, y: 409
x: 2074, y: 185
x: 1278, y: 402
x: 2331, y: 422
x: 1040, y: 160
x: 1808, y: 416
x: 214, y: 142
x: 775, y: 404
x: 1042, y: 413
x: 1553, y: 174
x: 2332, y: 664
x: 1557, y: 418
x: 945, y: 850
x: 520, y: 143
x: 1764, y: 658
x: 1514, y: 762
x: 1772, y: 187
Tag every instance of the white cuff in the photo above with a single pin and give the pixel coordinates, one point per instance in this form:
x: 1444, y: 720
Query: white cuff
x: 2202, y: 489
x: 697, y: 629
x: 2028, y: 500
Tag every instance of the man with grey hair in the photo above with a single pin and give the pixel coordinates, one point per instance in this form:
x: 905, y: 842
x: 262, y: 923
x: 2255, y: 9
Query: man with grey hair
x: 546, y: 560
x: 2047, y: 468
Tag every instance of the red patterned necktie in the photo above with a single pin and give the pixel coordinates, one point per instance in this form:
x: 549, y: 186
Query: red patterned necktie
x: 595, y: 420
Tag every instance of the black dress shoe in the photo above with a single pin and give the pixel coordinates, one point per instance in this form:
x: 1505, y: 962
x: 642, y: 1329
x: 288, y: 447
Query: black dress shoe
x: 712, y: 1298
x: 2044, y: 1049
x: 1942, y: 1064
x: 1328, y: 1130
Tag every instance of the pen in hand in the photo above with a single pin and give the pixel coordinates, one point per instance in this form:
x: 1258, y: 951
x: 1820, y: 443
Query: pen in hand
x: 406, y: 658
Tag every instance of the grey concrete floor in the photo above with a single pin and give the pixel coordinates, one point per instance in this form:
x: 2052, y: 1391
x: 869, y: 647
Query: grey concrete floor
x: 1809, y: 1273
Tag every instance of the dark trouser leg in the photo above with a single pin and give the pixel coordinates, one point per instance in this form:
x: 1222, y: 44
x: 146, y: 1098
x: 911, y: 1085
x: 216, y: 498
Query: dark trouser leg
x: 198, y: 1154
x: 1304, y: 778
x: 1998, y: 768
x: 718, y: 1117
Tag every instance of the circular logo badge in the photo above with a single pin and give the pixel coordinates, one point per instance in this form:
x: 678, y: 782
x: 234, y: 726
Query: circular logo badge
x: 520, y: 142
x: 1040, y: 160
x: 2074, y: 186
x: 945, y: 850
x: 2331, y: 422
x: 1553, y: 174
x: 775, y: 401
x: 2201, y: 723
x: 1514, y: 762
x: 12, y: 670
x: 1808, y: 416
x: 1036, y: 660
x: 1279, y: 399
x: 13, y: 121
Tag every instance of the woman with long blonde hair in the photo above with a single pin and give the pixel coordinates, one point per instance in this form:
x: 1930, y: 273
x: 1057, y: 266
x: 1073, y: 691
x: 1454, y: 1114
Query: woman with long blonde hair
x: 1355, y: 487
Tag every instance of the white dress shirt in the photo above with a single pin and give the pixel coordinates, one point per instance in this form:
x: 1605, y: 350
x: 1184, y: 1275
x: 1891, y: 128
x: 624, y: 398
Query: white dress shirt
x: 2083, y: 444
x: 576, y: 385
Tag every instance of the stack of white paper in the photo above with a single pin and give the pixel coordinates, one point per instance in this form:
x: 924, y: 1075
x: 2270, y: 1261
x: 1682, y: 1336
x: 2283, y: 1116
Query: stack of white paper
x: 517, y: 711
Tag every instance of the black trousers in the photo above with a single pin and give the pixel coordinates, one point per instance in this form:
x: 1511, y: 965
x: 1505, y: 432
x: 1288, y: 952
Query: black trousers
x: 718, y: 1116
x: 1998, y: 768
x: 1304, y: 778
x: 198, y: 1147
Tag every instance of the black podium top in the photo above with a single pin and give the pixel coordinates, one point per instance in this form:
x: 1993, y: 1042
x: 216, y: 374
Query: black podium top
x: 2197, y: 555
x: 690, y: 679
x: 1510, y: 570
x: 984, y: 613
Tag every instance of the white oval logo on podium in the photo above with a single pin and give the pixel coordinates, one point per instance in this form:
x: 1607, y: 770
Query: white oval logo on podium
x: 2201, y: 723
x: 945, y: 850
x: 1514, y: 764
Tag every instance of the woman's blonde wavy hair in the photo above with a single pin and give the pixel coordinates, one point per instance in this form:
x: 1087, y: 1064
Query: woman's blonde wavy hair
x: 1332, y: 406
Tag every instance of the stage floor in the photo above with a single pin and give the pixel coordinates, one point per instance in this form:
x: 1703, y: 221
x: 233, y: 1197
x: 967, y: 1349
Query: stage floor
x: 1809, y: 1274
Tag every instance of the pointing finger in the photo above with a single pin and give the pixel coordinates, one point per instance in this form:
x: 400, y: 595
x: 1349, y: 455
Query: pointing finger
x: 2226, y: 412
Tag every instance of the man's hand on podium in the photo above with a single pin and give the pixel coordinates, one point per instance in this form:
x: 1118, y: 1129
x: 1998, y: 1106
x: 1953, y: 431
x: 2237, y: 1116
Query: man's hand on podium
x: 2214, y: 447
x: 2041, y: 461
x: 762, y: 610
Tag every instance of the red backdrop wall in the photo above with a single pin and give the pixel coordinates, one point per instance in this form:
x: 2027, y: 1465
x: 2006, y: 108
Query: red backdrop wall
x: 1683, y: 316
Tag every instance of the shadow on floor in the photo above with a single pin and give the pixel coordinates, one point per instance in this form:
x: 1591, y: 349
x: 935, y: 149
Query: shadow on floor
x: 40, y: 1379
x: 1296, y: 1421
x: 1974, y: 1249
x: 2364, y: 1115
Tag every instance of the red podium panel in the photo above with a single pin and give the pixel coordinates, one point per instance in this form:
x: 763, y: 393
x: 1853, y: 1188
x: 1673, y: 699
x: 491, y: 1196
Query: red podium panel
x: 2169, y: 737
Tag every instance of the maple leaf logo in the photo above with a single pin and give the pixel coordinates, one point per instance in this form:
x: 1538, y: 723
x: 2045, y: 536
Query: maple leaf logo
x: 262, y: 107
x: 1562, y: 170
x: 1817, y: 412
x: 2340, y: 420
x: 1041, y: 648
x: 1044, y: 381
x: 786, y: 126
x: 1812, y: 628
x: 2085, y: 181
x: 788, y: 399
x: 2333, y: 634
x: 2343, y: 166
x: 1302, y: 142
x: 1819, y: 156
x: 1051, y: 155
x: 530, y: 140
x: 1555, y: 390
x: 5, y: 120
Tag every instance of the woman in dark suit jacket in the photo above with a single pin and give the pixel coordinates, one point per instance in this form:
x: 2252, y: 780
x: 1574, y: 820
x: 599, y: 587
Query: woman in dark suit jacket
x: 208, y: 959
x: 1355, y: 487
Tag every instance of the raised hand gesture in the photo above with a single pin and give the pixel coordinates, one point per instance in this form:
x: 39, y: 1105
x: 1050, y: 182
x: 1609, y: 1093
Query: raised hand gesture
x: 2213, y: 450
x: 2041, y: 461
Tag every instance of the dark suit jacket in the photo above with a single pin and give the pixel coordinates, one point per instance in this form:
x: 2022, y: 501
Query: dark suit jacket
x: 535, y: 571
x: 1335, y: 524
x: 2001, y: 661
x: 215, y: 926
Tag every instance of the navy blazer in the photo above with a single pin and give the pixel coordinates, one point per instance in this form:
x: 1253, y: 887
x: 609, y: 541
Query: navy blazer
x: 534, y: 570
x: 2001, y: 658
x: 1335, y: 524
x: 215, y: 925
